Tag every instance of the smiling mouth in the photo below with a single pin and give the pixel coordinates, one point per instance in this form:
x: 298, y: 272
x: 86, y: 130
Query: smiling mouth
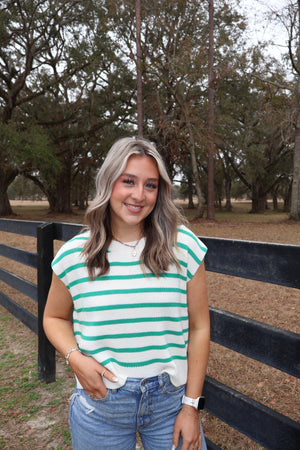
x: 133, y: 207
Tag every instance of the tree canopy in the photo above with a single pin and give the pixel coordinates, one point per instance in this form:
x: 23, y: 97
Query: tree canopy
x: 68, y: 90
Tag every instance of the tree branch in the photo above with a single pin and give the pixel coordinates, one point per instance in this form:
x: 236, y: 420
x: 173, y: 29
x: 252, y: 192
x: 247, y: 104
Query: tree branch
x: 272, y: 83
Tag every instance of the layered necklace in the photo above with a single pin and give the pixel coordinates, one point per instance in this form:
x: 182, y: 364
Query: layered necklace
x: 132, y: 246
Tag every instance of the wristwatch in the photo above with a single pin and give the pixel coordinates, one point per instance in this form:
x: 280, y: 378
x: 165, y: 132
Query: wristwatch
x: 197, y: 403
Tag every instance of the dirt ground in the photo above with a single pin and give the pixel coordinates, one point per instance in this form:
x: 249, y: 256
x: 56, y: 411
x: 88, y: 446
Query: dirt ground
x: 35, y: 415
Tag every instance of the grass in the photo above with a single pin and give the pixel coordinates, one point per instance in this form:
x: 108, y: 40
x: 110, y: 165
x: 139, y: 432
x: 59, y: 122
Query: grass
x: 241, y: 214
x: 28, y: 405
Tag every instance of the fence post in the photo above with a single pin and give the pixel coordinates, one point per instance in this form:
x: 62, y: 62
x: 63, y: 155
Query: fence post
x: 46, y: 351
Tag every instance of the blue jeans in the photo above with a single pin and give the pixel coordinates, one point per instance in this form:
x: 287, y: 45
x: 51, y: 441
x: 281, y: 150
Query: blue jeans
x: 147, y: 406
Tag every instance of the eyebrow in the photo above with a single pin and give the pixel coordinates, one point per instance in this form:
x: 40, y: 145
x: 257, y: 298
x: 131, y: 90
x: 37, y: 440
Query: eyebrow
x: 134, y: 176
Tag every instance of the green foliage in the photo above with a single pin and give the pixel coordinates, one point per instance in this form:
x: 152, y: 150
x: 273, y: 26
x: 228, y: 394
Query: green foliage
x: 29, y: 147
x: 67, y: 91
x: 23, y: 188
x: 254, y: 126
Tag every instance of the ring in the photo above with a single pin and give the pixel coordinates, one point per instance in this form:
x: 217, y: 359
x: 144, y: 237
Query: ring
x: 102, y: 374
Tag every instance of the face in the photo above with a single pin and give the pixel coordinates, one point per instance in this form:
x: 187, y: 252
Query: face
x: 134, y: 196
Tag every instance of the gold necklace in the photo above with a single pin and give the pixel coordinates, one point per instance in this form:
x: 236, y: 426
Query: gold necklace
x: 133, y: 252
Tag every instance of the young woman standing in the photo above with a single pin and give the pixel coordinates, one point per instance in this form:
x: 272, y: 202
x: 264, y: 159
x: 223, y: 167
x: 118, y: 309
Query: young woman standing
x: 135, y: 284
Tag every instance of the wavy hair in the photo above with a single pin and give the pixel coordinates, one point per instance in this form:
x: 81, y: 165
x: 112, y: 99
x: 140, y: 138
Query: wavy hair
x: 160, y: 227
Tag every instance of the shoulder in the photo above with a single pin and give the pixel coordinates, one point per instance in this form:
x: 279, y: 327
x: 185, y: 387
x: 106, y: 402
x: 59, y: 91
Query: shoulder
x: 71, y: 248
x: 191, y: 250
x: 187, y: 239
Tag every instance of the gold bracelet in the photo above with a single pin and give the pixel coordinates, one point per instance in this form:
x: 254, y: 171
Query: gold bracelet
x: 190, y: 413
x: 73, y: 349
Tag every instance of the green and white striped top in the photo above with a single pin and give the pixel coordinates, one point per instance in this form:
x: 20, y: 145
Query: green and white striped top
x: 132, y: 322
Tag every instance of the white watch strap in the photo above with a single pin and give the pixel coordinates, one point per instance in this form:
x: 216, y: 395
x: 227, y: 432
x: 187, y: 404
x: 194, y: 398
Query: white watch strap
x: 190, y: 401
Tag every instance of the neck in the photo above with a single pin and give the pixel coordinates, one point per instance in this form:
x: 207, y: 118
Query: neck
x: 129, y: 235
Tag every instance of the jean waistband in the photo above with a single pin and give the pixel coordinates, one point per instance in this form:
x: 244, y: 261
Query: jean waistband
x: 151, y: 382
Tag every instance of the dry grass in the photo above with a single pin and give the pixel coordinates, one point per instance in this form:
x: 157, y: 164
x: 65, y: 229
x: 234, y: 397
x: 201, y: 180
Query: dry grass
x: 44, y: 424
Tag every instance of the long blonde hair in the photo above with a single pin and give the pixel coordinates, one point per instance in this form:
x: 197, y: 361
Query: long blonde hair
x: 160, y: 227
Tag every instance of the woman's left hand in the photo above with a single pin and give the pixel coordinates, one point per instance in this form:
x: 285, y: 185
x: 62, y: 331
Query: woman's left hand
x: 187, y: 425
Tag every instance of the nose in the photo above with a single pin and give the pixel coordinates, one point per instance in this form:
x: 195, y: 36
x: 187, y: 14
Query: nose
x: 138, y: 193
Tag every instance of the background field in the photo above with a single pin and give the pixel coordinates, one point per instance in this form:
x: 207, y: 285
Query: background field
x: 35, y: 415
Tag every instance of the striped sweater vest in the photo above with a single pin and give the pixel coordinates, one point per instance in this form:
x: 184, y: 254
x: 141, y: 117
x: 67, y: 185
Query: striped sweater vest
x: 129, y: 320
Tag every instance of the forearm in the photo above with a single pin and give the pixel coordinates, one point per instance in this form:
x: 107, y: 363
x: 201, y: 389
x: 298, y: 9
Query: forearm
x: 199, y: 333
x: 198, y: 352
x: 57, y: 316
x: 60, y: 333
x: 187, y: 421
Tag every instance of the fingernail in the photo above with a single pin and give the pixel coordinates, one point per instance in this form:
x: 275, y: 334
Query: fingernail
x: 115, y: 379
x: 173, y: 447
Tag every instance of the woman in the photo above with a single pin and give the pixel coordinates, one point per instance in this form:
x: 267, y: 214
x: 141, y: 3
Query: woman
x: 134, y: 281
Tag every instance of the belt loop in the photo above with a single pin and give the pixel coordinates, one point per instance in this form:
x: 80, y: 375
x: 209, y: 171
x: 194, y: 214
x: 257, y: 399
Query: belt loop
x: 161, y: 381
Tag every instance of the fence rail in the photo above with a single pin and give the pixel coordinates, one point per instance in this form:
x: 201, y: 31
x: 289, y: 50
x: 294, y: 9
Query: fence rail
x: 272, y: 263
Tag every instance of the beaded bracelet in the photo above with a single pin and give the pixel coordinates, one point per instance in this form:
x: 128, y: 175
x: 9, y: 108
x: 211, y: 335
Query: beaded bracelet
x: 73, y: 349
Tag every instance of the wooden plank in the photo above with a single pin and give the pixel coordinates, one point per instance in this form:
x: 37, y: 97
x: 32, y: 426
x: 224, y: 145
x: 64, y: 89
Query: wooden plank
x: 270, y: 345
x: 66, y: 231
x: 211, y: 446
x: 260, y: 261
x: 22, y: 285
x: 260, y: 423
x: 16, y: 254
x: 46, y: 351
x: 19, y: 312
x: 23, y: 227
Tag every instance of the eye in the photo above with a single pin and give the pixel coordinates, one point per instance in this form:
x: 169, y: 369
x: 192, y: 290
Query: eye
x: 152, y: 186
x: 128, y: 181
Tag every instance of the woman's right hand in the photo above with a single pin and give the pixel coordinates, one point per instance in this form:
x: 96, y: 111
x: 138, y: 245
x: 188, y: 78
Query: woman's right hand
x: 59, y: 330
x: 90, y: 374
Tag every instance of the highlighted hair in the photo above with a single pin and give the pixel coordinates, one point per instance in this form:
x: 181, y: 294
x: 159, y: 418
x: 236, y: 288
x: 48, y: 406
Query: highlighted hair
x: 160, y: 227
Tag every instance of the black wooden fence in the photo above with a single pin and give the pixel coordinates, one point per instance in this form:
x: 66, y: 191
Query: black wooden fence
x: 272, y: 263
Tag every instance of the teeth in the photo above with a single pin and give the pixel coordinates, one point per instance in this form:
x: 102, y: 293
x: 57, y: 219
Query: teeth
x: 133, y: 206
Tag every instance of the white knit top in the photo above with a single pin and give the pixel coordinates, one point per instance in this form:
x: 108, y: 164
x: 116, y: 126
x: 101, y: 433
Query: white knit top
x: 133, y: 323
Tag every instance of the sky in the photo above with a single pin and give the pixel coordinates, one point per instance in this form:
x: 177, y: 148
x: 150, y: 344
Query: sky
x: 260, y: 26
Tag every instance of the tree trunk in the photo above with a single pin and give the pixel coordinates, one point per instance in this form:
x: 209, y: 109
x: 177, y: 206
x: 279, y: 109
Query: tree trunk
x: 200, y: 207
x: 5, y: 208
x: 210, y: 162
x: 258, y: 203
x: 6, y: 177
x: 295, y: 200
x: 63, y: 191
x: 275, y: 201
x: 228, y: 206
x: 201, y: 200
x: 139, y: 69
x: 190, y: 193
x: 82, y: 198
x: 258, y: 199
x: 287, y: 198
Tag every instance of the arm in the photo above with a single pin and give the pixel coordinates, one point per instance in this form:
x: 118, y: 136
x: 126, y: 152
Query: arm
x: 59, y: 331
x: 187, y: 422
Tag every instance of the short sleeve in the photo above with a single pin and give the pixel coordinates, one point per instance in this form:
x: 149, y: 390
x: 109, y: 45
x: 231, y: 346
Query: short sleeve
x: 69, y: 259
x: 194, y: 248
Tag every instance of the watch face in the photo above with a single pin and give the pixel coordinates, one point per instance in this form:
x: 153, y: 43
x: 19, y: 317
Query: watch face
x: 201, y: 403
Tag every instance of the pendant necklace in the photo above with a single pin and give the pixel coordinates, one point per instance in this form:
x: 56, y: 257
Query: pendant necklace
x: 133, y: 247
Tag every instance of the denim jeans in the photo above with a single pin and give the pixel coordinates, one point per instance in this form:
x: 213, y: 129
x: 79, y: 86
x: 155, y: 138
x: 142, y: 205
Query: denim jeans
x: 147, y: 406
